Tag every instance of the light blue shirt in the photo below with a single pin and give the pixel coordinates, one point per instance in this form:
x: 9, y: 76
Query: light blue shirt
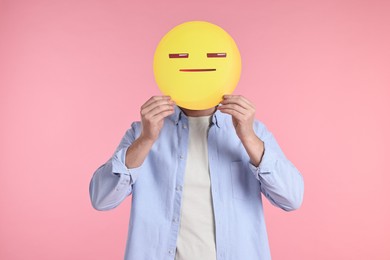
x: 237, y: 188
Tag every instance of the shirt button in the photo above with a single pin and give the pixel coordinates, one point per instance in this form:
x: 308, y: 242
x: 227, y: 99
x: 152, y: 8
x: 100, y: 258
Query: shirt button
x: 170, y: 252
x: 175, y: 220
x: 181, y: 157
x: 185, y: 126
x: 179, y: 188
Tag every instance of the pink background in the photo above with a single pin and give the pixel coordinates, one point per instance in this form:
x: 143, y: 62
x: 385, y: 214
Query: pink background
x: 73, y: 75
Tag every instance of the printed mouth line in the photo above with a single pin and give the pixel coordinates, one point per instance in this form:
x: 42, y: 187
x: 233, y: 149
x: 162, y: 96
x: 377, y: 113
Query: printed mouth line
x: 196, y: 70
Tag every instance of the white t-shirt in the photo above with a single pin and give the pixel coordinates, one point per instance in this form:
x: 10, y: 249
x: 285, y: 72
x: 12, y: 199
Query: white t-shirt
x: 196, y: 238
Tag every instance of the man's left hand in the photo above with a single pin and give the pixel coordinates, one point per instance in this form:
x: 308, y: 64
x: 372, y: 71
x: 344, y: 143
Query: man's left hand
x: 243, y: 116
x: 242, y: 112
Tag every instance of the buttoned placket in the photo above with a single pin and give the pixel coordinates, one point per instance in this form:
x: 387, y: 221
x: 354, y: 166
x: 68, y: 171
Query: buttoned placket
x: 221, y: 231
x: 182, y: 134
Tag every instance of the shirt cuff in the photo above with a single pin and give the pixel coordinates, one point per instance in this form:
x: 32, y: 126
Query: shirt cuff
x: 119, y: 166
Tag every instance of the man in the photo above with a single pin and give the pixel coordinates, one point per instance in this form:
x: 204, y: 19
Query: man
x: 197, y: 178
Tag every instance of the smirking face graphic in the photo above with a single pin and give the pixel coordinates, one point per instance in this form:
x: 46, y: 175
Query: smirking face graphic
x: 196, y: 63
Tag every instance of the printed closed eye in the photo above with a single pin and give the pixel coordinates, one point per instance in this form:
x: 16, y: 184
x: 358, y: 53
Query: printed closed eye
x: 216, y: 55
x: 178, y: 55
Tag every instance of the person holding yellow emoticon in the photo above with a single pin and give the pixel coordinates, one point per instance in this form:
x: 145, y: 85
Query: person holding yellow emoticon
x: 198, y: 163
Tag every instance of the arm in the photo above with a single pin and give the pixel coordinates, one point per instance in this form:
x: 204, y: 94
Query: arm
x: 112, y: 182
x: 280, y: 181
x: 243, y: 115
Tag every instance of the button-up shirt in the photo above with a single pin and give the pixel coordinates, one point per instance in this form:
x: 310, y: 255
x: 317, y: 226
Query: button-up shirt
x: 237, y: 189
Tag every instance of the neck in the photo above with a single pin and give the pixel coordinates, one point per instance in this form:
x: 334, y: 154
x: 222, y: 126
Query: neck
x: 197, y: 113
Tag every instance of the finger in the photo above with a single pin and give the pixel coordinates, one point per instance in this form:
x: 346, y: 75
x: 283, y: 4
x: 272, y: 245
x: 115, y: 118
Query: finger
x: 238, y: 97
x: 163, y: 114
x: 234, y: 106
x: 237, y: 104
x: 153, y: 99
x: 233, y: 113
x: 155, y: 104
x: 158, y: 109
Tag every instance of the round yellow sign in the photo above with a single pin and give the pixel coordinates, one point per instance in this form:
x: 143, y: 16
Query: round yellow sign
x: 196, y: 63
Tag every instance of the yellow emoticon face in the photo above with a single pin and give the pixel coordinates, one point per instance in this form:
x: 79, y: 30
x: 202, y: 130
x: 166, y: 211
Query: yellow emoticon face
x: 196, y: 63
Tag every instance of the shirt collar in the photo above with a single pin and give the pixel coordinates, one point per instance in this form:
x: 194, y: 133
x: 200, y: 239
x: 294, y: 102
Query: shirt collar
x: 217, y: 117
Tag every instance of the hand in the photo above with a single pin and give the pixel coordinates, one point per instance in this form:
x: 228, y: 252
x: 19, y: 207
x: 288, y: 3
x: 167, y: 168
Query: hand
x: 153, y: 113
x: 242, y: 112
x: 243, y: 115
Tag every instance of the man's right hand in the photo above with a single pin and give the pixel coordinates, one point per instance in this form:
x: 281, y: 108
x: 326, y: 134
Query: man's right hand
x: 153, y: 113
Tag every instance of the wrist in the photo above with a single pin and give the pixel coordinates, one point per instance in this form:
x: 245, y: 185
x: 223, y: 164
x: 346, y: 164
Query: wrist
x: 249, y: 137
x: 145, y: 140
x: 254, y: 147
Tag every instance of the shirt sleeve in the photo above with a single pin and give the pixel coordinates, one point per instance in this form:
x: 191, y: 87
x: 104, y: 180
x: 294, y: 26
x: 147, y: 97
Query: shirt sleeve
x: 281, y: 182
x: 112, y: 182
